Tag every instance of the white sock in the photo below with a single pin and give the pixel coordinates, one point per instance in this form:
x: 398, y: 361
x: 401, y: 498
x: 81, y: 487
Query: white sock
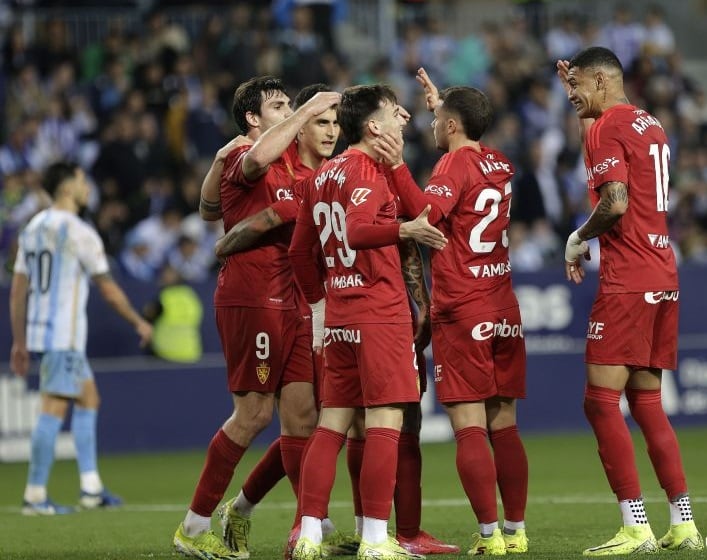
x: 487, y: 529
x: 243, y: 506
x: 358, y: 520
x: 680, y: 510
x: 513, y: 526
x: 35, y: 494
x: 195, y: 524
x: 633, y: 512
x: 311, y: 529
x: 374, y: 531
x: 327, y: 527
x: 91, y: 482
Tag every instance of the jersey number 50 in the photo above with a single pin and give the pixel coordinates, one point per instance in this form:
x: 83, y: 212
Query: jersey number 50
x: 332, y: 219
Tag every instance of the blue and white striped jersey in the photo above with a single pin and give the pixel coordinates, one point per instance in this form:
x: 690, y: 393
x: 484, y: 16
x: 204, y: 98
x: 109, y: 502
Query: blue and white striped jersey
x: 59, y: 253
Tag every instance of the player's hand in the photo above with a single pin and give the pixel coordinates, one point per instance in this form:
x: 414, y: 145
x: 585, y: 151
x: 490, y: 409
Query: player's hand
x: 431, y: 93
x: 575, y: 250
x: 19, y: 360
x: 563, y: 68
x: 237, y: 142
x: 144, y: 331
x: 320, y: 102
x: 422, y: 231
x: 390, y: 149
x: 423, y: 332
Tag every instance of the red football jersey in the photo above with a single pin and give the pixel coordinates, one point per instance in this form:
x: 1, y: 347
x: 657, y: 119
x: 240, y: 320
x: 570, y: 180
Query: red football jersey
x: 628, y: 145
x: 262, y: 276
x: 472, y: 274
x: 365, y: 285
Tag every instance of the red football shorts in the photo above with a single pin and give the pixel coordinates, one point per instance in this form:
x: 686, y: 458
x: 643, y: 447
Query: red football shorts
x: 480, y: 357
x: 638, y: 329
x: 369, y: 365
x: 264, y: 348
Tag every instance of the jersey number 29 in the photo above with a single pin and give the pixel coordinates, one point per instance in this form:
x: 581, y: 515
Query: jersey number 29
x: 331, y: 219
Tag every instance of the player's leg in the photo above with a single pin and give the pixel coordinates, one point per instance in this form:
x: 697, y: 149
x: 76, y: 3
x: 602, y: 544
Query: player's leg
x: 643, y: 395
x: 83, y: 428
x: 317, y: 478
x: 611, y: 343
x: 408, y: 482
x: 355, y: 444
x: 389, y: 380
x: 59, y: 384
x: 341, y: 395
x: 477, y: 473
x: 511, y: 470
x: 616, y: 452
x: 464, y: 378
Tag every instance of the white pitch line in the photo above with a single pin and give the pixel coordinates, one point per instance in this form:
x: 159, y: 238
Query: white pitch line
x: 449, y: 502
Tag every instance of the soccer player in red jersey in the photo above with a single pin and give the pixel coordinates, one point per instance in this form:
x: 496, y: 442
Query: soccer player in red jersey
x: 477, y: 336
x: 349, y: 211
x: 633, y: 326
x: 265, y: 339
x: 408, y: 495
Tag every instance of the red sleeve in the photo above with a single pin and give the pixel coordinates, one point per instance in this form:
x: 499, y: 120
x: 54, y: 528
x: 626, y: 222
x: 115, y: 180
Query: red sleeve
x: 233, y: 168
x: 362, y: 234
x: 412, y: 199
x: 307, y: 270
x: 287, y: 210
x: 607, y: 155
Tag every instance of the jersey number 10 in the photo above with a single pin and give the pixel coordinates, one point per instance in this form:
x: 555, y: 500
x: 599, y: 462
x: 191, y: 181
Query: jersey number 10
x: 661, y: 159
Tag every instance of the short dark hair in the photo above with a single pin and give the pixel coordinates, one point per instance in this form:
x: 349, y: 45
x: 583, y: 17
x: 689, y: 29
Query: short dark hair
x: 249, y: 98
x: 596, y: 56
x: 357, y: 104
x: 56, y: 174
x: 306, y: 93
x: 471, y: 106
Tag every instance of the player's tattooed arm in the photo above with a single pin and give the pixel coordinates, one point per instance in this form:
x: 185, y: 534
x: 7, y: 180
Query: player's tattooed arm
x: 612, y: 205
x: 245, y: 233
x: 414, y: 276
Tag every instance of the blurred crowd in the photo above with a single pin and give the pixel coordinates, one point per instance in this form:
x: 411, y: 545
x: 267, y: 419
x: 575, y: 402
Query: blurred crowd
x: 144, y: 110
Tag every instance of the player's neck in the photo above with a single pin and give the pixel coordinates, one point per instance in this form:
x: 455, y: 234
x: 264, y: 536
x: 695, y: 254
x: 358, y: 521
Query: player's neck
x: 66, y: 204
x: 612, y: 100
x: 309, y: 157
x: 463, y: 142
x: 366, y: 148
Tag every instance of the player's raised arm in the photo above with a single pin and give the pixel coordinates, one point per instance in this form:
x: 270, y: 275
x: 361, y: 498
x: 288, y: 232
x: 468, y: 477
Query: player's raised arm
x: 19, y: 355
x: 116, y: 298
x: 272, y: 143
x: 210, y: 201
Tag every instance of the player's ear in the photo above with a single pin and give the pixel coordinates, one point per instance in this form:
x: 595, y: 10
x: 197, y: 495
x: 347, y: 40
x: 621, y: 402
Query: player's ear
x: 373, y: 127
x: 600, y: 80
x: 252, y: 119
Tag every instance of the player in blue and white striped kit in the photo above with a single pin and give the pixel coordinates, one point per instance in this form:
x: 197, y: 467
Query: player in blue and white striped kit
x: 57, y: 256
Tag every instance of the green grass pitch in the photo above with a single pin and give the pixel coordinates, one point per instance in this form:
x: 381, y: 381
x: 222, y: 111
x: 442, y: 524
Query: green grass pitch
x: 570, y: 506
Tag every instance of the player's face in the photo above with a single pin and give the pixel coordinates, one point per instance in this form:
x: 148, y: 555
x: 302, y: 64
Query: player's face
x: 320, y: 133
x: 439, y: 128
x: 273, y: 110
x: 584, y: 93
x: 391, y: 118
x: 80, y: 189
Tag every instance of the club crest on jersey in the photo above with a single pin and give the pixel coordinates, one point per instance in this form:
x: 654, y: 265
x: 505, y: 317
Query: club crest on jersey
x: 359, y: 195
x: 263, y: 372
x: 284, y: 194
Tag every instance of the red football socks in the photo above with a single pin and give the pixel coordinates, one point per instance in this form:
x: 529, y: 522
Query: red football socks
x: 408, y: 493
x: 266, y: 474
x: 663, y: 448
x: 380, y: 462
x: 221, y: 459
x: 477, y: 472
x: 292, y: 449
x: 354, y: 460
x: 601, y: 406
x: 319, y: 471
x: 511, y: 471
